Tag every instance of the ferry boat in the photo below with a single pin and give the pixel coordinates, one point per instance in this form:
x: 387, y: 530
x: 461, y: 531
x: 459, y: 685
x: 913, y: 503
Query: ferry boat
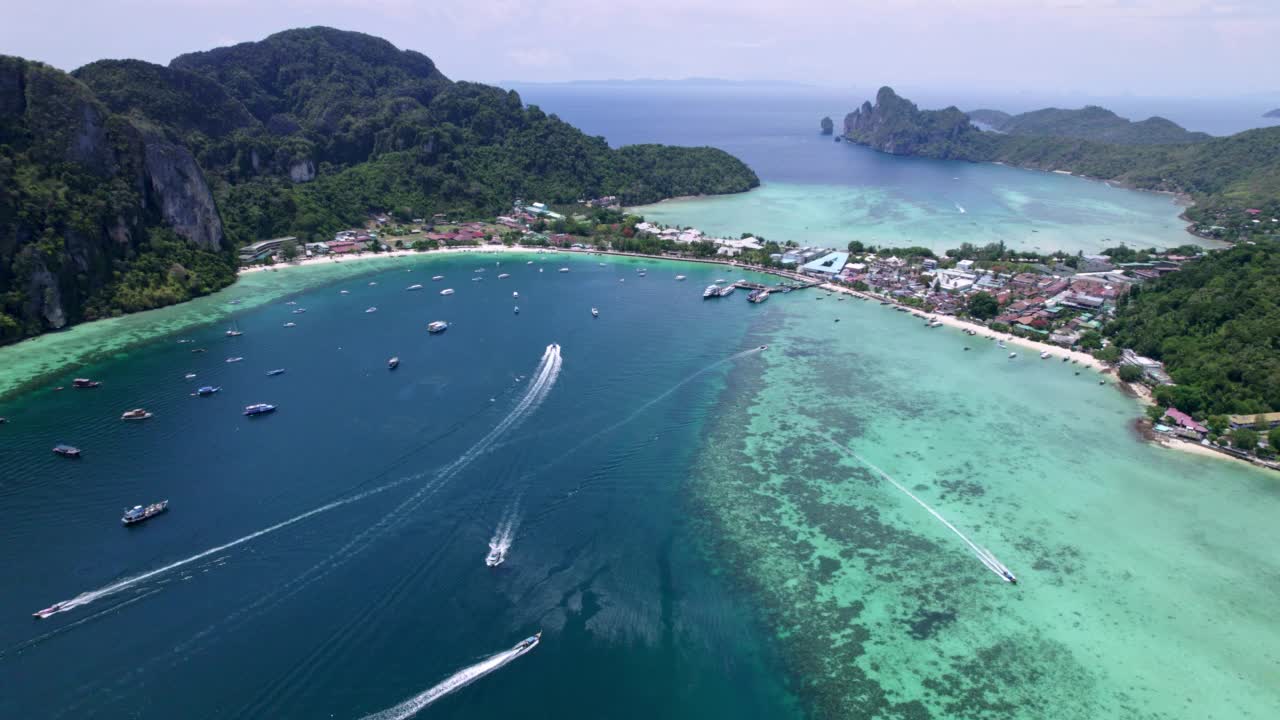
x: 393, y: 363
x: 138, y: 513
x: 758, y: 296
x: 711, y: 291
x: 447, y: 291
x: 437, y: 326
x: 727, y: 290
x: 277, y: 371
x: 436, y: 278
x: 259, y: 409
x: 84, y: 383
x: 595, y: 312
x: 68, y: 451
x: 208, y: 390
x: 414, y: 286
x: 135, y: 414
x: 234, y: 359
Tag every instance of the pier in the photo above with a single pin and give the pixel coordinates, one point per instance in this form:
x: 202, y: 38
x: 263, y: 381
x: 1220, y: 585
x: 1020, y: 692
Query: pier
x: 780, y: 287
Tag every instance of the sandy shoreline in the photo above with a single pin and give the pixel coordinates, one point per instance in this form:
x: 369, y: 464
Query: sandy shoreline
x: 390, y: 254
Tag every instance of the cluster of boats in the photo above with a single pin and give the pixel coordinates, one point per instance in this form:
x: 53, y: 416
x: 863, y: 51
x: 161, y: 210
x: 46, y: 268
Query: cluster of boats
x: 715, y: 290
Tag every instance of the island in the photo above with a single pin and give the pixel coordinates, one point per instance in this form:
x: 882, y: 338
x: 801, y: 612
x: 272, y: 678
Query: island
x: 1272, y: 113
x: 1232, y: 183
x: 132, y: 185
x: 828, y: 127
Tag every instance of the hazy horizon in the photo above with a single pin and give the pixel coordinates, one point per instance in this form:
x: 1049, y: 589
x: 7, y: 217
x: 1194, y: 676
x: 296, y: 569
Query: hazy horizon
x: 1067, y: 48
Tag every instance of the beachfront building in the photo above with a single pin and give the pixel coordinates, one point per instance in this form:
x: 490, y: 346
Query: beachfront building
x: 317, y: 248
x: 1151, y: 369
x: 1185, y: 421
x: 263, y: 249
x: 827, y: 265
x: 1268, y: 420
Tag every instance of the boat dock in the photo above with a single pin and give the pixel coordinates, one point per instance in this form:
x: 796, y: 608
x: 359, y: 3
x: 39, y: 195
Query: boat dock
x: 780, y: 287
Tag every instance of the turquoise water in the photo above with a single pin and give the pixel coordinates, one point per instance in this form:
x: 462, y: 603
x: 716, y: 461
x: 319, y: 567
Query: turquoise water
x: 382, y: 591
x: 1145, y: 575
x: 689, y: 526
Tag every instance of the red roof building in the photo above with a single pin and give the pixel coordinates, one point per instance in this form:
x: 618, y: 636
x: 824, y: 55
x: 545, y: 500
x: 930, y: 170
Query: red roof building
x: 1184, y: 420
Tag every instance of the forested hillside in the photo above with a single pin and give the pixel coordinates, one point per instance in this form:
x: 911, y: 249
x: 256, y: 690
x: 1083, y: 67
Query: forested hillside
x: 1088, y: 123
x: 1216, y: 325
x: 127, y: 185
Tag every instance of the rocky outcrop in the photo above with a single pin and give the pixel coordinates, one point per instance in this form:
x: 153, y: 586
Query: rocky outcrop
x: 895, y: 125
x: 827, y: 126
x: 177, y: 188
x: 302, y: 171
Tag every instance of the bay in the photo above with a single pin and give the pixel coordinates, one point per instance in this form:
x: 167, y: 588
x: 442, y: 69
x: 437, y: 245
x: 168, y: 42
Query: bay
x: 818, y: 192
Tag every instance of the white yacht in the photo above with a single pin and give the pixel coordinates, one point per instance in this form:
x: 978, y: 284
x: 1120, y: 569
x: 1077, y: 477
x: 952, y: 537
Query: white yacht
x: 447, y: 291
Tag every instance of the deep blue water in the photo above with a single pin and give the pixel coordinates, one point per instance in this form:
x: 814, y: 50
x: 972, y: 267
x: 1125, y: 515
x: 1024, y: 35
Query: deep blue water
x: 354, y: 609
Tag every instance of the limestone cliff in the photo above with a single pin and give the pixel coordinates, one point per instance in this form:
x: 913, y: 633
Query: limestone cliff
x: 895, y: 125
x: 828, y: 127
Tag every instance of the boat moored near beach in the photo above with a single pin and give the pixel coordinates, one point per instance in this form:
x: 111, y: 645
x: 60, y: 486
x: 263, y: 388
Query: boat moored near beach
x: 84, y: 383
x: 139, y: 513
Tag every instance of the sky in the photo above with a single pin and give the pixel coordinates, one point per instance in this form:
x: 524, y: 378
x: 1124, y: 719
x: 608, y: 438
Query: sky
x: 1173, y: 48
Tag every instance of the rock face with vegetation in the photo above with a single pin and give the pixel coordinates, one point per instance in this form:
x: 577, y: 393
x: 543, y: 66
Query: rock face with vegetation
x: 828, y: 127
x: 127, y: 185
x: 1089, y: 123
x: 1227, y: 177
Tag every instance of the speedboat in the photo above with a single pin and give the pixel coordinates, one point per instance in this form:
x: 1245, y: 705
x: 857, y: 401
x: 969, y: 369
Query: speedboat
x: 344, y: 292
x: 291, y: 324
x: 680, y: 277
x: 1009, y: 576
x: 504, y: 276
x: 476, y: 279
x: 999, y: 343
x: 528, y: 643
x: 135, y: 414
x: 415, y: 286
x: 292, y: 302
x: 515, y: 294
x: 83, y: 383
x: 207, y: 390
x: 138, y: 513
x: 45, y: 613
x: 188, y: 376
x: 259, y: 409
x: 277, y: 371
x: 1044, y: 355
x: 764, y: 347
x: 529, y: 263
x: 371, y: 310
x: 299, y: 311
x: 434, y: 278
x: 234, y: 359
x: 1013, y: 355
x: 234, y: 333
x: 375, y: 282
x: 447, y: 291
x: 595, y: 312
x: 564, y: 269
x: 65, y: 450
x: 393, y: 363
x: 437, y: 326
x: 517, y: 310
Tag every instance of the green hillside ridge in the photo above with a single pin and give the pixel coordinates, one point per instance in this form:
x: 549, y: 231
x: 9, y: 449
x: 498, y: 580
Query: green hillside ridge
x: 1089, y: 123
x: 1225, y: 177
x: 128, y: 185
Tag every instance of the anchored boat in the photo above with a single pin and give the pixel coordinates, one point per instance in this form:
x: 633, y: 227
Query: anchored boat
x: 135, y: 414
x: 437, y: 326
x: 138, y: 513
x: 259, y: 409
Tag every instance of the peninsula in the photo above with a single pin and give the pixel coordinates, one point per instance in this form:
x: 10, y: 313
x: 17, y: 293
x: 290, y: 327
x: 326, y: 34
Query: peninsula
x: 131, y: 185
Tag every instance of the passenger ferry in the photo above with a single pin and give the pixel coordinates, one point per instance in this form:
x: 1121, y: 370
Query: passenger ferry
x: 138, y: 513
x: 711, y: 291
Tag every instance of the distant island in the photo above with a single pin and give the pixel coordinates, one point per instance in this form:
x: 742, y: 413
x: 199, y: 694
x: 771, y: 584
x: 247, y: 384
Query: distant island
x: 1234, y: 181
x: 130, y: 185
x: 828, y: 127
x: 1272, y: 113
